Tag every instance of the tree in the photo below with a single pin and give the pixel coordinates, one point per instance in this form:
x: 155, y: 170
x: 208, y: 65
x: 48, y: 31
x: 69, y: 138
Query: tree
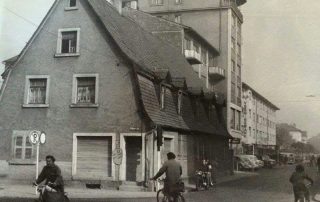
x: 284, y: 139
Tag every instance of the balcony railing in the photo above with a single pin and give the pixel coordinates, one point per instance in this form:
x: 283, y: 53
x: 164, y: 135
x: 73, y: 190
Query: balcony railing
x: 192, y: 56
x: 217, y: 73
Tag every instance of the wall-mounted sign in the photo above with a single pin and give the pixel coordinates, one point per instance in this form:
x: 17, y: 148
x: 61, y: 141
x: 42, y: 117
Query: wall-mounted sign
x: 117, y: 155
x: 42, y: 138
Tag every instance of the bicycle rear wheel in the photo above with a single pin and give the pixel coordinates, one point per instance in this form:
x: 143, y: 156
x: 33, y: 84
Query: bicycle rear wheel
x: 161, y: 197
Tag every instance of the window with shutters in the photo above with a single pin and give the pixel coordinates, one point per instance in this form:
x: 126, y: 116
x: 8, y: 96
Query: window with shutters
x: 22, y: 148
x: 36, y: 91
x: 68, y: 42
x: 85, y: 90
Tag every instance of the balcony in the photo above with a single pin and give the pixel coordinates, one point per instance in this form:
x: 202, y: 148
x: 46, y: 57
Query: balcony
x: 192, y: 56
x: 217, y: 73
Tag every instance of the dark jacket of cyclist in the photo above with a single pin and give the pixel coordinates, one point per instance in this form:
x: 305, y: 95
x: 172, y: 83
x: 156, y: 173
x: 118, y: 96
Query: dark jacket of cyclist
x: 297, y: 179
x: 173, y: 171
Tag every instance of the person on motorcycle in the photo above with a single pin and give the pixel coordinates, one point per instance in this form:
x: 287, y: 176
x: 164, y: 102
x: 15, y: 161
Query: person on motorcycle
x: 297, y: 180
x: 173, y: 171
x: 51, y: 174
x: 206, y: 168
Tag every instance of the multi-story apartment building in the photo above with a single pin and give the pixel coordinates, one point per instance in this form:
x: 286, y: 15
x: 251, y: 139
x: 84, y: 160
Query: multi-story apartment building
x: 258, y: 122
x: 219, y: 22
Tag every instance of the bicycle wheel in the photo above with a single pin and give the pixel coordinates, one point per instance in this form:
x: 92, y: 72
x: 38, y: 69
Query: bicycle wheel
x: 161, y: 197
x: 179, y: 198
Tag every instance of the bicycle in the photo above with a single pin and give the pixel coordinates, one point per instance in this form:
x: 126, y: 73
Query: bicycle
x: 41, y: 189
x: 175, y: 196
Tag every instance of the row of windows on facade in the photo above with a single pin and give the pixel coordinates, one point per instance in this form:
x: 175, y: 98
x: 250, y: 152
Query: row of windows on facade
x: 261, y: 120
x: 261, y: 105
x: 37, y: 90
x: 252, y: 132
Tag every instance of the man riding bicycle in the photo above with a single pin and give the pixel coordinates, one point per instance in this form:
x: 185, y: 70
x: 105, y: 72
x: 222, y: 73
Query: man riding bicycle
x: 297, y: 180
x: 173, y: 171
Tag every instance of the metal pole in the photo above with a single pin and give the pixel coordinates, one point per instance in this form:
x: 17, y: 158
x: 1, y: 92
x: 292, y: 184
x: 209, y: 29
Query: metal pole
x: 37, y: 164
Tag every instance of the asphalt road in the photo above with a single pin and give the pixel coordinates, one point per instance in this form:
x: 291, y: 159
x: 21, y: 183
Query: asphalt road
x: 271, y: 185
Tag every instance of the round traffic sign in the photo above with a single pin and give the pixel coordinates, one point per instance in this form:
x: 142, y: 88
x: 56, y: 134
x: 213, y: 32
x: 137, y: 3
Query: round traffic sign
x: 42, y: 138
x: 34, y: 136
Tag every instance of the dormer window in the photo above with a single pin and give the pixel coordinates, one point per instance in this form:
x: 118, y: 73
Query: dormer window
x: 180, y: 97
x: 162, y: 96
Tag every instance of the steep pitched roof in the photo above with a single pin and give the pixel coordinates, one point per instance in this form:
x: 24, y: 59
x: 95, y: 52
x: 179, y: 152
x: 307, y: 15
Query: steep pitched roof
x: 144, y: 49
x: 169, y: 118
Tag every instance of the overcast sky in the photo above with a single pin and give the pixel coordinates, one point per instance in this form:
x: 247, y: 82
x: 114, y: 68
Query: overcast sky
x: 281, y: 47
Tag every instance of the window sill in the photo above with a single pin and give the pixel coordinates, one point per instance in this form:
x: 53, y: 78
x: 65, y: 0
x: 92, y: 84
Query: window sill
x: 22, y: 162
x: 35, y: 105
x: 59, y: 55
x: 70, y: 8
x: 84, y: 105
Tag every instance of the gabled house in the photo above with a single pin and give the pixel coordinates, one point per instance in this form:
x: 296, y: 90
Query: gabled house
x: 111, y: 103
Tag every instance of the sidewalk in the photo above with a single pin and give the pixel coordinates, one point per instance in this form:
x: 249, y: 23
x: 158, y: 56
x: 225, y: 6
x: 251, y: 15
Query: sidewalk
x: 27, y: 191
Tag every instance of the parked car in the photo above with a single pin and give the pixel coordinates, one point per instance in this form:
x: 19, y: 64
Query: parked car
x: 258, y: 163
x: 246, y: 162
x: 242, y: 163
x: 268, y: 162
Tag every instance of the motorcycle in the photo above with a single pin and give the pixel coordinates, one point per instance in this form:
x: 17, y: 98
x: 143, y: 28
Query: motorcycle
x: 49, y: 194
x: 202, y: 180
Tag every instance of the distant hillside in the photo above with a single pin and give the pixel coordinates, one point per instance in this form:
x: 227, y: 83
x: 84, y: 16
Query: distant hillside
x: 315, y: 142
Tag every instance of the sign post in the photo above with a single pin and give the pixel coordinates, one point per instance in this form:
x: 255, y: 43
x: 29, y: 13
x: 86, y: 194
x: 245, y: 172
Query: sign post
x: 37, y: 138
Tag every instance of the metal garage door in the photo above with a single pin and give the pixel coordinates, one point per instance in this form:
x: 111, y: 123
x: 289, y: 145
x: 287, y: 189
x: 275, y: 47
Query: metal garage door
x: 94, y: 157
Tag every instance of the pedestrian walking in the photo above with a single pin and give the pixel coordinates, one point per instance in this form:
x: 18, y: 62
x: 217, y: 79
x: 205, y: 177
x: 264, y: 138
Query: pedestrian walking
x: 299, y: 187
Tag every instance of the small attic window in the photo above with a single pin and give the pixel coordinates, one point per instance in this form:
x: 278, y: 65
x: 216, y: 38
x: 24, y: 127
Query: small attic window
x: 180, y: 97
x: 71, y: 5
x: 162, y: 96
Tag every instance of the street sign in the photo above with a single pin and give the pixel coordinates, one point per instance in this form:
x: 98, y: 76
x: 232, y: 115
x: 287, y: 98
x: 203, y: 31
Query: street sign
x: 34, y: 136
x: 117, y: 156
x: 42, y: 138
